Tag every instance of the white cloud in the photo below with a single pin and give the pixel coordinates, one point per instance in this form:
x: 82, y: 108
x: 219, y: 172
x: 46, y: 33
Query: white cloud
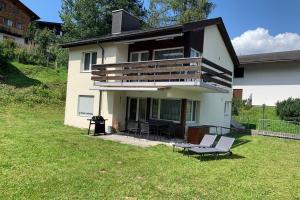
x: 260, y: 41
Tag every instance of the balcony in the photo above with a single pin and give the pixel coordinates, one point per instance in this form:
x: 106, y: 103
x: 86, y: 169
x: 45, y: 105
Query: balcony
x: 182, y: 72
x: 11, y: 30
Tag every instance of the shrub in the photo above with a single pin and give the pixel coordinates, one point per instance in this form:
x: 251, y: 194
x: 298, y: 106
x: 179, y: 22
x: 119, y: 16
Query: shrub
x: 238, y: 105
x: 289, y: 109
x: 8, y: 48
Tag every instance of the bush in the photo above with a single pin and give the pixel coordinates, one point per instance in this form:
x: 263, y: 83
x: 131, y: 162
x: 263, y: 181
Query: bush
x: 8, y: 48
x: 289, y: 109
x: 238, y: 105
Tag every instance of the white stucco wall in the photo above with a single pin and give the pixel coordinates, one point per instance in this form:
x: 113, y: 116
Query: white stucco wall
x: 270, y: 82
x: 18, y: 40
x: 212, y: 105
x: 80, y: 83
x: 113, y: 106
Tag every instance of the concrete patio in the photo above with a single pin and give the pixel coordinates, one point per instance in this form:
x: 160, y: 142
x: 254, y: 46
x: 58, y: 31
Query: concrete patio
x: 138, y: 141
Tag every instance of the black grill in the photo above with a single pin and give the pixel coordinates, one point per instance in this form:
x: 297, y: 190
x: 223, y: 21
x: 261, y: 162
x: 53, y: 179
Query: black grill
x: 99, y: 122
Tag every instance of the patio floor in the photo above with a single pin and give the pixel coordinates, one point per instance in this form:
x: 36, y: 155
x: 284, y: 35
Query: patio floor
x: 138, y: 141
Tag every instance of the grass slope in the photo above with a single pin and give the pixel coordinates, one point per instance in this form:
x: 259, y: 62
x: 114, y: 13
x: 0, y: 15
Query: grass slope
x: 40, y: 158
x: 28, y: 84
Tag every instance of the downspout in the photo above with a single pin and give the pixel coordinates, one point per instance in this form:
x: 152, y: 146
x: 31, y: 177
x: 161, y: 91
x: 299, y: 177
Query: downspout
x: 100, y: 95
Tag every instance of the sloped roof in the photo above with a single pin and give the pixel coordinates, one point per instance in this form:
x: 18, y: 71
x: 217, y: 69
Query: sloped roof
x: 284, y: 56
x: 27, y: 10
x: 139, y: 34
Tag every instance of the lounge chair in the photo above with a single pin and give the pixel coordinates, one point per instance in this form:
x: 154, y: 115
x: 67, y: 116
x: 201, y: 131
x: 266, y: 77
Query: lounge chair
x: 223, y: 147
x: 207, y: 141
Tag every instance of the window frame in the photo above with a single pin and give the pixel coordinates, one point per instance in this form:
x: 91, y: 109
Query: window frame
x: 195, y: 106
x: 82, y: 70
x: 159, y: 109
x: 8, y: 20
x: 78, y: 105
x: 196, y: 51
x: 166, y: 49
x: 139, y: 55
x: 227, y: 105
x: 2, y: 6
x: 19, y: 26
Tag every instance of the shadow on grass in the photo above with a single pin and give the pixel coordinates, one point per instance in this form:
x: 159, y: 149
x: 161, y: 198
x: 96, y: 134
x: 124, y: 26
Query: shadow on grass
x: 14, y: 77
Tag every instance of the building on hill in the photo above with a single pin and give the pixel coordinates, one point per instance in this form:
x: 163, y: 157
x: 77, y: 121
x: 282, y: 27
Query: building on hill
x: 267, y: 78
x: 180, y: 74
x: 55, y: 26
x: 15, y: 18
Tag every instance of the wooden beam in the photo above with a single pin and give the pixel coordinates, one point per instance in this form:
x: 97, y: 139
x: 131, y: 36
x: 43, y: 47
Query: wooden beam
x: 207, y: 78
x: 213, y: 65
x: 214, y: 73
x: 148, y: 70
x: 176, y: 61
x: 148, y: 77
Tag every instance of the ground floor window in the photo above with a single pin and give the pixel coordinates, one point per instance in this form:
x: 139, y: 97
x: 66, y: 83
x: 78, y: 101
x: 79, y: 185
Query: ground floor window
x: 191, y: 111
x: 170, y: 109
x: 85, y: 105
x: 227, y: 107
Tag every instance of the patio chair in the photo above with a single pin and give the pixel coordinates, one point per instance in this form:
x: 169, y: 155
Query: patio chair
x: 145, y: 129
x: 207, y: 141
x: 132, y: 127
x: 223, y: 147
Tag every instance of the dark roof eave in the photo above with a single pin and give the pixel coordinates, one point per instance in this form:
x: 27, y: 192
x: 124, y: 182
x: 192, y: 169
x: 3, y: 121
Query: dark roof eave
x: 32, y: 14
x: 164, y: 30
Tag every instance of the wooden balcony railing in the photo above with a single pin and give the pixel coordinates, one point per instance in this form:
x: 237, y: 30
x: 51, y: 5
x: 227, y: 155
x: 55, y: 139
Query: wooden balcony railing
x: 171, y: 70
x: 11, y: 30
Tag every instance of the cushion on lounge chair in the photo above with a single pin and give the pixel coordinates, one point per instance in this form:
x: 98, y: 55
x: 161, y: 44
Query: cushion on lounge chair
x: 207, y: 141
x: 223, y: 146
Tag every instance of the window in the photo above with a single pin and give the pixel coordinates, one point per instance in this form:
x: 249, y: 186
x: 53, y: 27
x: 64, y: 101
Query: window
x: 139, y: 56
x: 89, y: 60
x: 2, y: 6
x: 227, y: 108
x: 155, y: 109
x: 133, y: 102
x: 162, y: 54
x: 170, y: 109
x: 8, y: 22
x: 19, y: 26
x: 239, y: 73
x: 85, y: 105
x: 191, y: 111
x: 195, y: 53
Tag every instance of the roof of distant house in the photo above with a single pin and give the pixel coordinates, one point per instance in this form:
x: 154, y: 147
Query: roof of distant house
x: 168, y: 30
x: 27, y: 10
x: 284, y: 56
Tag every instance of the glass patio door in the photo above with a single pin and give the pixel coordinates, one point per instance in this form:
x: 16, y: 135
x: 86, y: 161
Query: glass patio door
x: 137, y: 109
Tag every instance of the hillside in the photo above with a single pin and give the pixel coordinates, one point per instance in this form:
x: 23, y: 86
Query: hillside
x: 31, y: 84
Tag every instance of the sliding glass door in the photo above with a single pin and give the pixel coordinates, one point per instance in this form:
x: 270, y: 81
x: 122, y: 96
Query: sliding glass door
x: 137, y: 109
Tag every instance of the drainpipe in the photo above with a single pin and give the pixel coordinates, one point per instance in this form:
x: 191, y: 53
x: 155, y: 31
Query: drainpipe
x: 102, y: 62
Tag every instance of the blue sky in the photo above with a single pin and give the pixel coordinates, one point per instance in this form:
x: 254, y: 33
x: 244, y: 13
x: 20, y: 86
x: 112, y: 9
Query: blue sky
x: 274, y: 16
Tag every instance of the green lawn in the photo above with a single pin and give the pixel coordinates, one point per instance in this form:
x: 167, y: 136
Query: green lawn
x: 251, y: 119
x: 42, y: 158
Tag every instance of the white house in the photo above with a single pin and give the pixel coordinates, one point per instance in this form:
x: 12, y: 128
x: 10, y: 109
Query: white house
x: 268, y: 78
x: 180, y: 74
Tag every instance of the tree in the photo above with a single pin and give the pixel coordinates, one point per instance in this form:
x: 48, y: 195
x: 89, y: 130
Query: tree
x: 169, y: 12
x: 92, y: 18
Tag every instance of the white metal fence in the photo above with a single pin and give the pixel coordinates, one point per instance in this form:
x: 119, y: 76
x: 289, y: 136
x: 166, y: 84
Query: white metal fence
x: 279, y: 128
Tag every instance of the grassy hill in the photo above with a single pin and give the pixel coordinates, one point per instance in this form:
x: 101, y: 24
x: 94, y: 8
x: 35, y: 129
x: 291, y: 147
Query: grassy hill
x: 30, y: 84
x: 41, y: 158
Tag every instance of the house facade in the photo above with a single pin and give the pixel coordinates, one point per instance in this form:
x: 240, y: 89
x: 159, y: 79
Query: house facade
x: 181, y: 73
x: 268, y: 78
x: 15, y: 18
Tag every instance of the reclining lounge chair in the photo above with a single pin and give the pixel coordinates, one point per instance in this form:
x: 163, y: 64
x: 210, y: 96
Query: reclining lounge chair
x: 223, y: 147
x: 207, y: 141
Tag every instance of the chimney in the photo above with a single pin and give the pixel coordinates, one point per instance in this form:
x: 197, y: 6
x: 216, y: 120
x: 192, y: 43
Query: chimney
x: 124, y: 21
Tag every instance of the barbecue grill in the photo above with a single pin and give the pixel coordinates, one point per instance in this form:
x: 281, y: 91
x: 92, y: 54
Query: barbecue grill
x: 99, y: 123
